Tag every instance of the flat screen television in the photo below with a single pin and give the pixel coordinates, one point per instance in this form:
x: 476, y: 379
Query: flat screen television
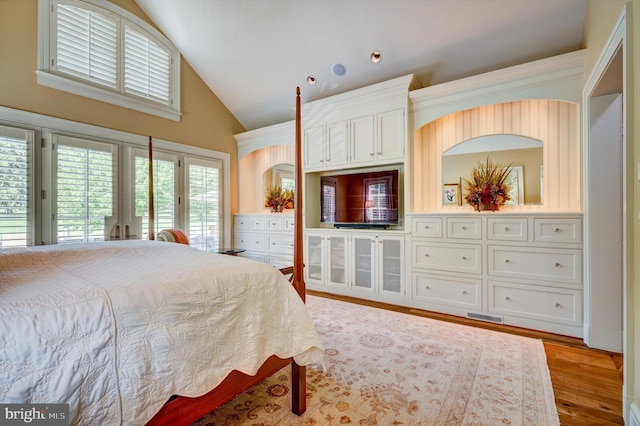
x: 360, y: 200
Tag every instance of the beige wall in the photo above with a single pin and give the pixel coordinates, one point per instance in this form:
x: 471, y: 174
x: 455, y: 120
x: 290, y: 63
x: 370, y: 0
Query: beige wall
x: 205, y: 122
x: 599, y: 20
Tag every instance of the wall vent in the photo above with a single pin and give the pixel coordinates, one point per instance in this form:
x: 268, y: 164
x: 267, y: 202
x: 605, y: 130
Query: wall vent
x: 483, y: 317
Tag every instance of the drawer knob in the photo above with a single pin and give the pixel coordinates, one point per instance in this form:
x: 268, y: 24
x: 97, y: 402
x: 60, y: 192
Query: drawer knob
x: 507, y: 298
x: 426, y: 227
x: 506, y: 228
x: 426, y: 255
x: 273, y: 244
x: 464, y: 257
x: 557, y: 265
x: 557, y: 230
x: 557, y: 305
x: 507, y: 261
x: 464, y: 228
x: 464, y: 292
x: 427, y: 288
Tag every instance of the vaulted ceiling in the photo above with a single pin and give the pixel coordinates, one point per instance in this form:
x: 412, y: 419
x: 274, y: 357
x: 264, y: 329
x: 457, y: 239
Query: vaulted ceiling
x: 253, y: 53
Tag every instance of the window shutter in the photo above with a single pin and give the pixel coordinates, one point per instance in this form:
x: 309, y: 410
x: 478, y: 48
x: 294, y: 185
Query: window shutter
x: 164, y: 190
x: 205, y: 203
x: 16, y: 193
x: 84, y: 190
x: 87, y: 45
x: 146, y: 67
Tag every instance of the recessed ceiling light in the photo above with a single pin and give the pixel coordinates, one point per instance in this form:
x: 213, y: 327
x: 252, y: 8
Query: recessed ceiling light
x: 311, y: 80
x: 338, y: 69
x: 375, y: 56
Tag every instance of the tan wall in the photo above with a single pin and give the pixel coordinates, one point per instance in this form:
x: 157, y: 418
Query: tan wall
x: 205, y: 122
x: 599, y: 20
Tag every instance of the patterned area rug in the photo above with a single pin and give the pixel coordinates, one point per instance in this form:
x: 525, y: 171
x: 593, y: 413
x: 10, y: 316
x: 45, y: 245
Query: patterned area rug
x: 388, y: 368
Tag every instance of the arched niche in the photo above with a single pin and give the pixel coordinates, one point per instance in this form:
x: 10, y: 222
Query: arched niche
x: 540, y: 100
x: 262, y: 153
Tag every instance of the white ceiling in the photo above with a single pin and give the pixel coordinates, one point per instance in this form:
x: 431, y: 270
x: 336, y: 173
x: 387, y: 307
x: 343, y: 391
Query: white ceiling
x: 253, y: 53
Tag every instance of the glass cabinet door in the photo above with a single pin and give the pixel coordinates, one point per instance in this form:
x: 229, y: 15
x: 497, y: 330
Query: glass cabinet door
x: 336, y: 258
x: 314, y: 255
x: 363, y: 271
x: 391, y: 253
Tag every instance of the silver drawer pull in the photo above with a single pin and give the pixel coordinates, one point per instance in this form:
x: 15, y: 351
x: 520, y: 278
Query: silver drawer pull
x: 557, y: 305
x: 273, y: 244
x: 507, y: 298
x: 507, y: 261
x: 426, y: 255
x: 427, y: 288
x: 426, y: 227
x: 464, y: 228
x: 464, y: 292
x: 507, y: 229
x: 557, y: 230
x: 464, y: 257
x: 557, y: 265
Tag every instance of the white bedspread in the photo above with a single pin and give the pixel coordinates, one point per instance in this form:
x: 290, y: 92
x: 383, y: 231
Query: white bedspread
x: 116, y: 328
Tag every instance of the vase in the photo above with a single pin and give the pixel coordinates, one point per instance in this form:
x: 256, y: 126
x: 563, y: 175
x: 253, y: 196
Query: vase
x: 488, y: 207
x: 276, y: 209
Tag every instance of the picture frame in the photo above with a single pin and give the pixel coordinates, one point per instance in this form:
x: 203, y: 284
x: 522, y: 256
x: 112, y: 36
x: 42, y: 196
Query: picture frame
x: 516, y: 177
x: 451, y: 194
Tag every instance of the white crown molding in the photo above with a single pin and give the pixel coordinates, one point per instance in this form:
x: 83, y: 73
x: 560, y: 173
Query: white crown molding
x: 277, y: 134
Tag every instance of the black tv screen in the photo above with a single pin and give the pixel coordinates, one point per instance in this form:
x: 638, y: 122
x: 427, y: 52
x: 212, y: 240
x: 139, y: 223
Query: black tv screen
x: 360, y: 198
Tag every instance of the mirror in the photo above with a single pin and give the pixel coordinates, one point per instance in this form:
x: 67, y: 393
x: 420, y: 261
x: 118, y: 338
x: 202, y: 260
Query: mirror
x: 283, y: 175
x: 523, y: 153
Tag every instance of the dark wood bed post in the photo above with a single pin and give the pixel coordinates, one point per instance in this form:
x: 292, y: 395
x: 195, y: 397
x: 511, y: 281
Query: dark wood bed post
x: 152, y: 233
x: 298, y: 372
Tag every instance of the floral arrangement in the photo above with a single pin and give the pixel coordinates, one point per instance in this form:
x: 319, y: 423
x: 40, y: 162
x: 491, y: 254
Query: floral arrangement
x: 278, y: 198
x: 488, y: 186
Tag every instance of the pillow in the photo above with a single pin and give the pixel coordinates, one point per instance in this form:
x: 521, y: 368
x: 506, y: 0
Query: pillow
x: 172, y: 235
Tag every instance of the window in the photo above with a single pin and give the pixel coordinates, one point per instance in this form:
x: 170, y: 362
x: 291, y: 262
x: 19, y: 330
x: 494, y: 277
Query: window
x: 328, y: 200
x: 96, y: 49
x: 16, y: 187
x: 377, y: 199
x: 84, y: 190
x: 204, y: 183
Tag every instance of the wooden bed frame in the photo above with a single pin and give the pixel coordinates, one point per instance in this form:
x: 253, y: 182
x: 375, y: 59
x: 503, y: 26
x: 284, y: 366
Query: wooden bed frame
x: 182, y: 410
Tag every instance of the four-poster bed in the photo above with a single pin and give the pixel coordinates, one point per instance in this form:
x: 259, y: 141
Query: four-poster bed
x: 116, y: 328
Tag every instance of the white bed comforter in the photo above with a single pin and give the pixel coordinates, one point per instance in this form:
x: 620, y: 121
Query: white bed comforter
x: 116, y: 328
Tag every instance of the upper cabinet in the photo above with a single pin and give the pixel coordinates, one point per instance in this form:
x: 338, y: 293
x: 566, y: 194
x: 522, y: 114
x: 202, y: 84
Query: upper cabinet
x: 364, y: 127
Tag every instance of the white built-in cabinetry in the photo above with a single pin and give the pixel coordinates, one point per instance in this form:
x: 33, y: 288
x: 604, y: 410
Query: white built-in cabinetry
x: 362, y: 264
x: 520, y: 269
x: 265, y: 237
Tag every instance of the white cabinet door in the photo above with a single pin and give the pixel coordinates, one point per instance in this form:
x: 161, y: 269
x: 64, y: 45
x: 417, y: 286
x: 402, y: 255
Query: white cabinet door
x: 336, y: 252
x: 390, y: 264
x: 314, y: 254
x: 391, y: 140
x: 362, y: 140
x: 363, y: 267
x: 314, y: 152
x: 336, y: 144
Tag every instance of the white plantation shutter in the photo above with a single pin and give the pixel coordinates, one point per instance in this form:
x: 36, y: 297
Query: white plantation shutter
x: 204, y: 180
x: 85, y: 188
x: 16, y: 187
x: 86, y: 45
x: 146, y: 66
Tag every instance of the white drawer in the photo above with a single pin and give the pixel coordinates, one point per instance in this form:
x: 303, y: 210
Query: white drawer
x: 464, y: 228
x: 258, y: 223
x: 274, y: 223
x: 448, y: 290
x: 250, y: 242
x: 242, y: 222
x: 507, y: 229
x: 427, y: 227
x: 289, y: 224
x: 558, y: 230
x: 282, y: 244
x: 563, y: 265
x: 557, y: 305
x: 448, y: 257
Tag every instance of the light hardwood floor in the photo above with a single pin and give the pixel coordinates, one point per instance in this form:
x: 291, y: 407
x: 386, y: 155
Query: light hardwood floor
x: 587, y: 383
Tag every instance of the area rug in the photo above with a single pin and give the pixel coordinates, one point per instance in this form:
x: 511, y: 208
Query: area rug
x: 390, y: 368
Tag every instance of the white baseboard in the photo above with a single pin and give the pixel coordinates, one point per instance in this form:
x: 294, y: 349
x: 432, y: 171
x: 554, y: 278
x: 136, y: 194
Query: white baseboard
x: 634, y: 415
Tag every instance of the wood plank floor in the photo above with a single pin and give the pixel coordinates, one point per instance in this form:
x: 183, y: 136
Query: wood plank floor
x: 587, y: 383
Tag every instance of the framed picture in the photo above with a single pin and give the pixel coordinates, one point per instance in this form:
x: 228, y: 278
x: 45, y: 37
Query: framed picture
x: 516, y: 177
x: 451, y: 194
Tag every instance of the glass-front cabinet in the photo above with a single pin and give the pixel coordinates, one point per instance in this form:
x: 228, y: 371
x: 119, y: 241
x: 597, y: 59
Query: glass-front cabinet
x: 326, y: 260
x: 377, y: 265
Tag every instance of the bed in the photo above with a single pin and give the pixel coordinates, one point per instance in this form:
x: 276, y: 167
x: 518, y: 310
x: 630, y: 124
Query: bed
x: 146, y: 332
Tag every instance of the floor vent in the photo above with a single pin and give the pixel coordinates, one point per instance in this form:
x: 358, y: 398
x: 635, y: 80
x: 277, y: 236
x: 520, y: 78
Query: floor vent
x: 483, y: 317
